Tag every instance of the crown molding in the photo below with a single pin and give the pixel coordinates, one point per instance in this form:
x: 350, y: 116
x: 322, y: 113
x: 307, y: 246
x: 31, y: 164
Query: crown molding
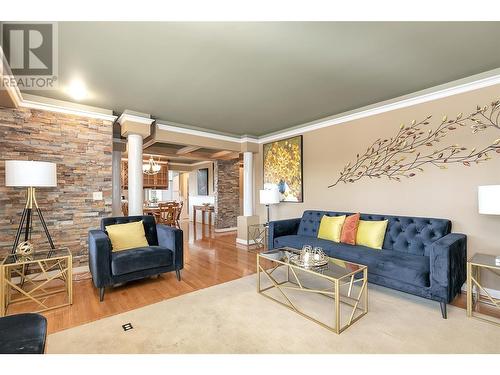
x: 135, y: 118
x: 5, y: 72
x: 471, y: 83
x: 53, y: 105
x: 467, y: 84
x: 68, y: 111
x: 202, y: 133
x: 460, y: 86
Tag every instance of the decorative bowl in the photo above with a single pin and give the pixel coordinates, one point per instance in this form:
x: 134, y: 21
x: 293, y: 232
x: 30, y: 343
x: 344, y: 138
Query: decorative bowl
x: 309, y: 257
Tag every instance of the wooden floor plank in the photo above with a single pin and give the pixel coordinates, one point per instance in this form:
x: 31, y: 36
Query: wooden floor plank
x: 209, y: 259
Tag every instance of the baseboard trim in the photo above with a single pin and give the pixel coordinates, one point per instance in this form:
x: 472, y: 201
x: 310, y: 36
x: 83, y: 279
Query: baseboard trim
x: 241, y: 241
x: 495, y: 293
x: 222, y: 230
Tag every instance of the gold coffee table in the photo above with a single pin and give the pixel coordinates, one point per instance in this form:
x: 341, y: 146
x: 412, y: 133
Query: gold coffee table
x: 42, y: 281
x: 344, y: 282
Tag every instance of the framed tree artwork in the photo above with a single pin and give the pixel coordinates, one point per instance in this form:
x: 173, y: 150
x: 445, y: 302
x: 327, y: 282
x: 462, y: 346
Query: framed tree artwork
x: 283, y: 168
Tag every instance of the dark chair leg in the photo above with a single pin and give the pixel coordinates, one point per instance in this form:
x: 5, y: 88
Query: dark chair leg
x: 178, y: 274
x: 443, y: 310
x: 101, y: 294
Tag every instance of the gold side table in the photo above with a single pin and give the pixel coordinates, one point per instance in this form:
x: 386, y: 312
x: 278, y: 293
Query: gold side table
x: 257, y: 233
x: 43, y: 280
x: 476, y: 293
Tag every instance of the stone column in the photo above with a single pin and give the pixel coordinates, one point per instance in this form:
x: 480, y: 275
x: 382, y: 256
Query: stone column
x: 135, y: 178
x: 248, y: 185
x: 116, y: 182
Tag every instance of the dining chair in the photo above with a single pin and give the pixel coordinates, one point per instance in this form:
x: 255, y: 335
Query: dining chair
x: 178, y: 216
x: 168, y: 213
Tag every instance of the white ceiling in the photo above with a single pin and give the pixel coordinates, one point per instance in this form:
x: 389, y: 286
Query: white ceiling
x: 256, y: 78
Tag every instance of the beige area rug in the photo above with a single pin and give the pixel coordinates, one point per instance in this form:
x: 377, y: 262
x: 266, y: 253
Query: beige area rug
x: 234, y: 318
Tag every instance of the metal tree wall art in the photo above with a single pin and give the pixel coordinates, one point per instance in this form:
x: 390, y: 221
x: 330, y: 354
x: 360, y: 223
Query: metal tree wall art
x: 414, y: 147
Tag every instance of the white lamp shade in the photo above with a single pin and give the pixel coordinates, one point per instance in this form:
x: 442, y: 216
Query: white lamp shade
x: 269, y: 196
x: 25, y: 173
x: 489, y: 199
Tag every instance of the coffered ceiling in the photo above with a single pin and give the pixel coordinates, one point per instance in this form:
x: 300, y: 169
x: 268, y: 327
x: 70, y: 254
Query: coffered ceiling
x: 257, y: 78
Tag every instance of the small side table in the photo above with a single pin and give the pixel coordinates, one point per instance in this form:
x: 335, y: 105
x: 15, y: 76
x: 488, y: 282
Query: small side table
x: 204, y: 208
x: 42, y: 280
x: 476, y: 293
x: 257, y: 234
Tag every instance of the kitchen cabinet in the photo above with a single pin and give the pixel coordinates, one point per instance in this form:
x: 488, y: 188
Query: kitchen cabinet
x: 156, y: 181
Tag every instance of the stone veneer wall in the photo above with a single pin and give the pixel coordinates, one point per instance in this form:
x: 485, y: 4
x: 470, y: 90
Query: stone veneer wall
x: 227, y: 193
x: 82, y: 149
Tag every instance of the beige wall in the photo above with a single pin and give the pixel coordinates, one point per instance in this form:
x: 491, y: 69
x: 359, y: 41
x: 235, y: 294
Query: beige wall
x: 193, y: 179
x: 437, y: 193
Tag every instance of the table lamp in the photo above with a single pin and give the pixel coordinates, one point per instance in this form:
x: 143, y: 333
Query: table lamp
x: 30, y: 174
x: 489, y: 203
x: 269, y: 197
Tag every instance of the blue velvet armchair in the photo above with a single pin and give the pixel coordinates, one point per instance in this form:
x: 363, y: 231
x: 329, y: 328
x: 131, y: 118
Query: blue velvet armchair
x: 164, y: 254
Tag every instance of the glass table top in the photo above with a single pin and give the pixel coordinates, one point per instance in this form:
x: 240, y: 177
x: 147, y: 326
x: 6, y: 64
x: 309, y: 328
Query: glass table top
x: 486, y: 260
x: 35, y: 256
x: 335, y: 268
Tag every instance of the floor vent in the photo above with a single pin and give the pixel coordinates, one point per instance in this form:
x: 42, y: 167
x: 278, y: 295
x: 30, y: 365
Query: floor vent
x: 127, y: 327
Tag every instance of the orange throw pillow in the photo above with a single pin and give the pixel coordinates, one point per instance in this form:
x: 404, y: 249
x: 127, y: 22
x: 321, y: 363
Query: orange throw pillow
x: 349, y: 229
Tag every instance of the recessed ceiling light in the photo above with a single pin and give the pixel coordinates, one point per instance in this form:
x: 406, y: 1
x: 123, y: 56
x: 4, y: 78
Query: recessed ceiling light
x: 77, y: 90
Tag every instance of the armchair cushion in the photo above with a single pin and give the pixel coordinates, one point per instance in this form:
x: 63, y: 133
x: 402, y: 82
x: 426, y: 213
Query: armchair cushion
x: 406, y: 268
x: 127, y: 236
x: 140, y: 258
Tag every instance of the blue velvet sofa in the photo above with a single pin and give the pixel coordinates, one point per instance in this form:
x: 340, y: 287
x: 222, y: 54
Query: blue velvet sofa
x: 419, y: 255
x: 164, y: 253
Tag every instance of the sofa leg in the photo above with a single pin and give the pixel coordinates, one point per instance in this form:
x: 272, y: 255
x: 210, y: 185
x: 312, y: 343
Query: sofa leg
x: 443, y: 310
x: 101, y: 294
x: 178, y: 274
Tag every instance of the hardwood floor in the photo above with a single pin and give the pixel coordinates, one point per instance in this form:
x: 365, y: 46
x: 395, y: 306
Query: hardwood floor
x: 209, y: 258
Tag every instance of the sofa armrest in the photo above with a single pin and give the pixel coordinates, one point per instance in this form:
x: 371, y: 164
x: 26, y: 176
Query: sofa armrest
x: 100, y: 258
x: 281, y: 228
x: 172, y: 239
x: 448, y: 263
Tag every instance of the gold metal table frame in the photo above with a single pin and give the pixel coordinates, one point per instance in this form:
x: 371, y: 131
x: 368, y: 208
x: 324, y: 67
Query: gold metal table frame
x: 257, y: 234
x: 357, y: 301
x: 35, y: 286
x: 476, y: 293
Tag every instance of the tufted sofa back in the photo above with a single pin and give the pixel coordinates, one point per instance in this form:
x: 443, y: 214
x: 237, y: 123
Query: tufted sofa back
x: 413, y: 235
x: 147, y: 220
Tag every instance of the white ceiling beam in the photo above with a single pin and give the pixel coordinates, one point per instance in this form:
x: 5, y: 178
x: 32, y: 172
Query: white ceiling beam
x: 187, y: 150
x: 220, y: 154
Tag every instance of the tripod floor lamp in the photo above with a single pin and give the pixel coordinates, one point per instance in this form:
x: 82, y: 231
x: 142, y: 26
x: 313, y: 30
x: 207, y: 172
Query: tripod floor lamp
x: 30, y: 174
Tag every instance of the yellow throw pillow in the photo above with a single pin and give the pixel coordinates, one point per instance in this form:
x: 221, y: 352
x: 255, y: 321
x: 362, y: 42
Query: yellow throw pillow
x: 371, y: 233
x: 331, y: 227
x: 127, y: 236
